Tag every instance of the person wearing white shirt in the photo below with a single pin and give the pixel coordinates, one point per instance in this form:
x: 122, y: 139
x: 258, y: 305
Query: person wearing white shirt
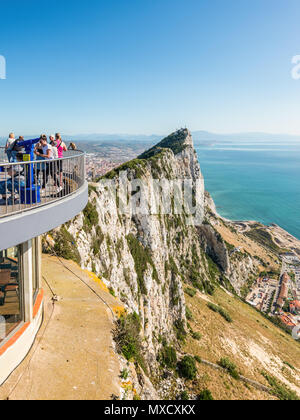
x: 9, y: 146
x: 50, y: 167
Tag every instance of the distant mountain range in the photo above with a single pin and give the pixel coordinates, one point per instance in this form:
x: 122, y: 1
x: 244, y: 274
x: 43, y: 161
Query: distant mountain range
x: 205, y: 136
x: 198, y: 136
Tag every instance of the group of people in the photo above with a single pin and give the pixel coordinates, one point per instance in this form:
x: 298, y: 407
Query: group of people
x: 48, y: 151
x: 13, y: 146
x: 44, y: 151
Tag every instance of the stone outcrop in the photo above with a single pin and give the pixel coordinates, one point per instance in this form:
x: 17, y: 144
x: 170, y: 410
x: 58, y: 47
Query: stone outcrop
x: 147, y: 258
x: 238, y: 266
x: 215, y: 247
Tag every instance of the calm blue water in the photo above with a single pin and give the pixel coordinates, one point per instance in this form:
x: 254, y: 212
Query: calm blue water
x: 255, y: 182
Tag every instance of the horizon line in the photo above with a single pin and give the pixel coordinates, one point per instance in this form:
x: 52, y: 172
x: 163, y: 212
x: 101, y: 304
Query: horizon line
x: 241, y: 133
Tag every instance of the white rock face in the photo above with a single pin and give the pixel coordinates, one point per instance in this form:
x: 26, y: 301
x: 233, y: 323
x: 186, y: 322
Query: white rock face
x: 149, y: 257
x: 151, y: 285
x: 238, y: 267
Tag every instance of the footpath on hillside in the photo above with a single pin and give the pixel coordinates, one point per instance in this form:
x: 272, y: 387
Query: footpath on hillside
x: 73, y: 357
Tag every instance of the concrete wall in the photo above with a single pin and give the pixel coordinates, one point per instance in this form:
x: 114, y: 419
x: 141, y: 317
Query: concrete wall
x: 17, y: 229
x: 15, y: 353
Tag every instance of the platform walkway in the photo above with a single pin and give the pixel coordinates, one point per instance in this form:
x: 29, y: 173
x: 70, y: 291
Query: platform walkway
x: 73, y: 357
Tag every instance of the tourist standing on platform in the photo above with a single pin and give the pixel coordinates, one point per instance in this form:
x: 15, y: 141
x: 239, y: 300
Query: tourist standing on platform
x: 40, y: 167
x: 47, y: 153
x: 9, y: 145
x: 61, y: 148
x: 15, y: 149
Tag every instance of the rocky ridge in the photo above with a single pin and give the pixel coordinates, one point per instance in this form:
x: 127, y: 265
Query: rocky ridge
x: 148, y: 260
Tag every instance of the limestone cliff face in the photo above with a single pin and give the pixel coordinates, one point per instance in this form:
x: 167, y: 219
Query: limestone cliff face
x: 214, y: 245
x: 237, y: 266
x: 147, y: 258
x: 148, y: 251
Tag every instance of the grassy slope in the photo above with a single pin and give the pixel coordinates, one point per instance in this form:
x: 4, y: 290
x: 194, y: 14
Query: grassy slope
x: 251, y: 342
x: 237, y: 239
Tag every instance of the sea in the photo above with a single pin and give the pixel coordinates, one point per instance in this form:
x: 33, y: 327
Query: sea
x: 254, y: 181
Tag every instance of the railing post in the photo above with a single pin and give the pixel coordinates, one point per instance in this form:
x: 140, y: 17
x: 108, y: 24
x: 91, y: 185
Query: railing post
x: 26, y: 273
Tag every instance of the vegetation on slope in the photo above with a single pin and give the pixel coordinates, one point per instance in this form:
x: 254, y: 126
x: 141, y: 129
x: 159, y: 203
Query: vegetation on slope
x: 264, y: 238
x: 65, y: 245
x: 231, y: 368
x: 91, y: 217
x: 168, y: 357
x: 128, y: 339
x: 142, y: 260
x: 187, y: 368
x: 205, y: 395
x: 249, y: 346
x: 174, y: 141
x: 136, y: 165
x: 221, y: 311
x: 281, y: 391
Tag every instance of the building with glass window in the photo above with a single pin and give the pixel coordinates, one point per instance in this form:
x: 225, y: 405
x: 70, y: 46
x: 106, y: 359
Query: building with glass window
x: 22, y: 222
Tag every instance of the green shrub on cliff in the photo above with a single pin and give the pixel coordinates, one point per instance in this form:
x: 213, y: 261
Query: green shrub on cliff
x: 97, y: 241
x: 128, y: 340
x: 280, y: 390
x: 191, y: 292
x: 264, y: 238
x: 91, y: 217
x: 221, y: 311
x: 174, y: 141
x: 189, y: 315
x: 205, y: 395
x: 187, y: 368
x: 142, y: 259
x: 65, y: 246
x: 214, y: 271
x: 231, y: 368
x: 184, y: 396
x: 136, y: 165
x: 92, y: 189
x: 180, y: 330
x: 174, y: 289
x: 168, y: 357
x: 196, y: 336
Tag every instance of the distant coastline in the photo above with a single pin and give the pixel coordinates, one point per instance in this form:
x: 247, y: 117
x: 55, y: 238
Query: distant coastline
x: 251, y: 182
x: 200, y: 137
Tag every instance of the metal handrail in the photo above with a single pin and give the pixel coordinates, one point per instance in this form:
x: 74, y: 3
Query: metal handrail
x: 52, y: 180
x: 6, y: 163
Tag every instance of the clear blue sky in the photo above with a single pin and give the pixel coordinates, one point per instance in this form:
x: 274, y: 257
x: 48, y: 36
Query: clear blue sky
x: 149, y: 66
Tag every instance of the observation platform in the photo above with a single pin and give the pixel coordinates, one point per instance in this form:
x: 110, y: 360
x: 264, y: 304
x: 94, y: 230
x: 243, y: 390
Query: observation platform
x: 36, y: 196
x: 45, y: 209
